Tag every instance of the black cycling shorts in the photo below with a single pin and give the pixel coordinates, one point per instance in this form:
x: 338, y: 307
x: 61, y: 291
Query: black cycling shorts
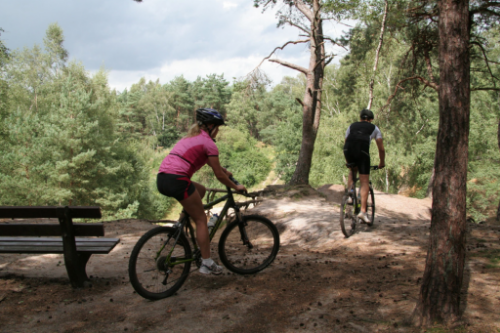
x: 175, y: 186
x: 358, y: 153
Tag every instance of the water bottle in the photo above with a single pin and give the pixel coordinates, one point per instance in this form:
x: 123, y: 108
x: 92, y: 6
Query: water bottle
x: 211, y: 222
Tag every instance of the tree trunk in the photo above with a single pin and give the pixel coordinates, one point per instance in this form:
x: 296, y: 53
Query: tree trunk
x: 377, y: 52
x: 498, y: 136
x: 439, y: 299
x: 311, y: 106
x: 428, y: 193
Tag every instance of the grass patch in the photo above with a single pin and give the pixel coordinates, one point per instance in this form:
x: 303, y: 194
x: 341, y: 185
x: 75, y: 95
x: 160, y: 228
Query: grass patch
x: 441, y: 329
x: 493, y: 256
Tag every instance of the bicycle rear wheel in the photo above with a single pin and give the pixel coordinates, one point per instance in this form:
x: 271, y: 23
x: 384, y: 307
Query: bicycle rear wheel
x: 256, y: 254
x: 370, y: 207
x: 347, y: 214
x: 151, y: 275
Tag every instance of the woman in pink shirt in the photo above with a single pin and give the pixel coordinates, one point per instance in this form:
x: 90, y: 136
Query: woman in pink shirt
x: 174, y: 177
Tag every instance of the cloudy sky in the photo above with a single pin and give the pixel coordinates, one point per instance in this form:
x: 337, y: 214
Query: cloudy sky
x: 159, y: 38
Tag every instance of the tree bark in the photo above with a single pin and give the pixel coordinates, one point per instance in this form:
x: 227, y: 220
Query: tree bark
x: 439, y: 299
x: 377, y: 52
x: 498, y: 136
x: 311, y: 104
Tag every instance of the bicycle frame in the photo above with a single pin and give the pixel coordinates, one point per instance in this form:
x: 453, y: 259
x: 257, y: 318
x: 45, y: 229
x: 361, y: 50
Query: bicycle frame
x: 357, y: 208
x: 184, y: 223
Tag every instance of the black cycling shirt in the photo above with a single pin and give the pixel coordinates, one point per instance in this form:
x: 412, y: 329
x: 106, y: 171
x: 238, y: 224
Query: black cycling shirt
x: 362, y: 131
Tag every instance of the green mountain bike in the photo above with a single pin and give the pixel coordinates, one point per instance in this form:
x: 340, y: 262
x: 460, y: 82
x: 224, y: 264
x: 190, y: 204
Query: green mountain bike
x: 351, y: 206
x: 161, y: 260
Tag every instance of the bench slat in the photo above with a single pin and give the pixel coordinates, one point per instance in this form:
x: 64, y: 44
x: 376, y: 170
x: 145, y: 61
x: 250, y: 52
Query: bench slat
x: 24, y: 229
x: 56, y: 243
x: 40, y: 245
x: 20, y: 212
x: 52, y: 249
x: 52, y: 239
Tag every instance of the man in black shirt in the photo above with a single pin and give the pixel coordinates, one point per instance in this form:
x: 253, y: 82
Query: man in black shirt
x: 357, y: 150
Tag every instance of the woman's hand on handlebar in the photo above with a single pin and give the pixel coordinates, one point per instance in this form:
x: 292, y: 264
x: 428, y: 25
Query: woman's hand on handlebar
x: 240, y: 189
x: 381, y: 165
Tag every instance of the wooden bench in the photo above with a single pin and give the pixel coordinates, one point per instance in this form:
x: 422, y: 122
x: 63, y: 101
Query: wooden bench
x: 74, y: 238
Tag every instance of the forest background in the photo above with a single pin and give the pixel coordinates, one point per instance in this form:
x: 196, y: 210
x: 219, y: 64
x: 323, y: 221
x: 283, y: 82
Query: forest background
x: 68, y: 139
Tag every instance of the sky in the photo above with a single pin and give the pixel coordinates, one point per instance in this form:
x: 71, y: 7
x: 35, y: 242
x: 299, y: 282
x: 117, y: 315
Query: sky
x: 160, y: 39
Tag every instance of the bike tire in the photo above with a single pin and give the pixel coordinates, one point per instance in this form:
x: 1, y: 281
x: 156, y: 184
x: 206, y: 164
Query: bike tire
x: 370, y: 207
x: 148, y: 273
x: 237, y: 256
x: 347, y: 215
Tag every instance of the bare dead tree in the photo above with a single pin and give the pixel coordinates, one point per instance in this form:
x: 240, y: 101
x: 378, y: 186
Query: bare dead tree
x: 307, y: 16
x: 377, y: 52
x: 498, y: 137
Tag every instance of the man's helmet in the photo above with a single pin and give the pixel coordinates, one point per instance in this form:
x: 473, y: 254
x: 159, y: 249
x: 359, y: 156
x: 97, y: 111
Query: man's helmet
x: 366, y: 114
x: 209, y: 116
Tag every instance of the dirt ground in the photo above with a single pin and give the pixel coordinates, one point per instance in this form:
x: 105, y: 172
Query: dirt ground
x: 320, y: 281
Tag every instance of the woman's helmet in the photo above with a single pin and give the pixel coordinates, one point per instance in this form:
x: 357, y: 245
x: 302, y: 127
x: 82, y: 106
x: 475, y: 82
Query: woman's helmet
x: 366, y: 114
x: 209, y: 116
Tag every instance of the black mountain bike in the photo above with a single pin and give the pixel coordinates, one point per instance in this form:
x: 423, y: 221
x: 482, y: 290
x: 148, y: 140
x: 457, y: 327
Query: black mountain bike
x: 351, y: 206
x: 161, y: 260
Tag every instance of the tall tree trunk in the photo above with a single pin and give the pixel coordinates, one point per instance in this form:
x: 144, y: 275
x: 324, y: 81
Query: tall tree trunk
x: 498, y: 136
x: 311, y: 106
x: 377, y: 52
x: 439, y: 299
x: 428, y: 193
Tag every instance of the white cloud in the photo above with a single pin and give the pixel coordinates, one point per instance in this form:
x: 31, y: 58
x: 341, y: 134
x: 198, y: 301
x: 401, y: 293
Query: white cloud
x: 236, y: 67
x: 161, y: 39
x: 228, y: 4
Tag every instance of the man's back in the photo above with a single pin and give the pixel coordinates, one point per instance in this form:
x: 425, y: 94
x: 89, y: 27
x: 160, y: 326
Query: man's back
x: 362, y: 131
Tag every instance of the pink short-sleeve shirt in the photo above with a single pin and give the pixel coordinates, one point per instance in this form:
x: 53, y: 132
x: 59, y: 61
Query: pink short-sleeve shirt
x: 189, y: 155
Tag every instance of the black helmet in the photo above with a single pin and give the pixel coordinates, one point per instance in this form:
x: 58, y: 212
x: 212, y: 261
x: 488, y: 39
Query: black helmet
x: 366, y: 114
x: 209, y: 116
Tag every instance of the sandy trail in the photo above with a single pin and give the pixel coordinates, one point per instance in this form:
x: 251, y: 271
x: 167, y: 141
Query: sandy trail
x: 320, y: 281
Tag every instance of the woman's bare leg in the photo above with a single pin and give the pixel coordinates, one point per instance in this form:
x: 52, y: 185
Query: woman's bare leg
x: 200, y: 188
x: 194, y: 207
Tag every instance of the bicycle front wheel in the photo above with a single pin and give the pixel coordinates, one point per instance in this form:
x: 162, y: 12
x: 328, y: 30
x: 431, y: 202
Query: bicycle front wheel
x: 249, y: 246
x: 347, y: 214
x: 153, y: 274
x: 370, y: 207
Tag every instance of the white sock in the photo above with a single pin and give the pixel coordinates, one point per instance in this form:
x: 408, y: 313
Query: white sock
x: 207, y: 262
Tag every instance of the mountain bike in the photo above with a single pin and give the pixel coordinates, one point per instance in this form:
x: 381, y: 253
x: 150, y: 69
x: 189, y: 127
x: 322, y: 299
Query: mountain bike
x: 351, y: 206
x: 161, y: 260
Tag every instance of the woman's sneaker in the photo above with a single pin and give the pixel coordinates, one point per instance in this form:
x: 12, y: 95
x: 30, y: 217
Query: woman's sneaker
x: 349, y: 199
x: 211, y: 269
x: 364, y: 217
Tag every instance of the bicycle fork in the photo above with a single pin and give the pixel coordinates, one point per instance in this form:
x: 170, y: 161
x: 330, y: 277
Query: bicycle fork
x: 241, y: 227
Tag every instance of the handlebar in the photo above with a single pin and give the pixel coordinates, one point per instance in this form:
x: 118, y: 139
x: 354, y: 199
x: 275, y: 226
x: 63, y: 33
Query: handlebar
x: 234, y: 180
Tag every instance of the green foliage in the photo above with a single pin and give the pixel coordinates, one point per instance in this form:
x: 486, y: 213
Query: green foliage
x: 62, y: 145
x: 168, y: 136
x: 4, y: 51
x: 67, y: 139
x: 239, y: 152
x: 4, y: 57
x: 287, y: 140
